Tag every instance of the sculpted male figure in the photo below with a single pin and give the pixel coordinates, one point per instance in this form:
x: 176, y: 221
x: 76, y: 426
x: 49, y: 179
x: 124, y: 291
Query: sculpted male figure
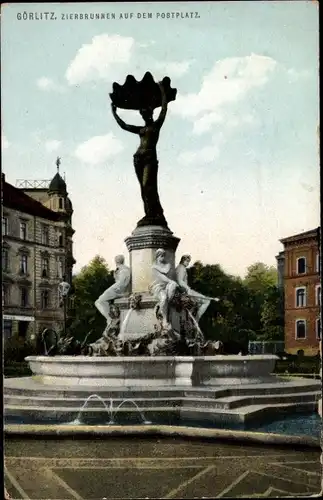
x: 181, y: 274
x: 163, y: 286
x: 119, y: 289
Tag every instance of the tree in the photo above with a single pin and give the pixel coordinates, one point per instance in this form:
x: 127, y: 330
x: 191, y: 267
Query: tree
x: 231, y: 318
x: 260, y: 277
x: 260, y: 281
x: 272, y: 315
x: 87, y: 286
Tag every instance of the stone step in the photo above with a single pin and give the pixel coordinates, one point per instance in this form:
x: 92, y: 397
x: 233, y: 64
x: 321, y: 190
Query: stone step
x: 205, y: 414
x: 30, y: 414
x: 241, y: 390
x: 30, y: 387
x: 243, y: 414
x: 77, y: 403
x: 238, y: 401
x: 224, y: 402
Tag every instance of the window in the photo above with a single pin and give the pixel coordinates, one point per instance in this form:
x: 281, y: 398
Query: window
x: 318, y: 328
x: 301, y: 265
x: 45, y: 235
x: 6, y: 294
x: 60, y: 239
x: 60, y: 267
x: 4, y: 226
x: 22, y: 329
x: 45, y: 299
x: 318, y: 263
x: 7, y: 328
x: 5, y: 259
x: 23, y: 264
x: 300, y: 329
x: 60, y: 203
x: 23, y: 230
x: 301, y: 297
x: 45, y: 267
x: 24, y: 297
x: 318, y: 295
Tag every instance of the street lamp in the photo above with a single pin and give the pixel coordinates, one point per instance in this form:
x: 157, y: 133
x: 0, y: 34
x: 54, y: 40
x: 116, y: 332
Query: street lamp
x: 63, y: 290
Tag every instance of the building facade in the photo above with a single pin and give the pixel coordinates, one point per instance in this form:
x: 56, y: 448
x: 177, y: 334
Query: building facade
x: 299, y: 269
x: 37, y: 253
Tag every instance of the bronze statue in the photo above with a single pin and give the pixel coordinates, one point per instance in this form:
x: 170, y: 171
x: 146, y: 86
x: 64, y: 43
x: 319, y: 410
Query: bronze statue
x: 144, y: 97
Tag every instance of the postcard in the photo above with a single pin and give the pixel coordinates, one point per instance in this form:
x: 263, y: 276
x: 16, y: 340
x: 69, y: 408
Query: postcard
x: 161, y: 249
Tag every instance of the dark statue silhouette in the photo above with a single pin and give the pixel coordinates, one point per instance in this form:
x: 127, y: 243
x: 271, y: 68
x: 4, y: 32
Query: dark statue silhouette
x: 144, y: 96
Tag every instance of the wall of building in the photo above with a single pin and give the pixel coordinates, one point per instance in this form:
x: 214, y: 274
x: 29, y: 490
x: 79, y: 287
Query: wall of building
x: 310, y: 312
x: 34, y: 248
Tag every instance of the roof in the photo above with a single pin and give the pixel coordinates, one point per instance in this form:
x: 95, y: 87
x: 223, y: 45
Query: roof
x: 15, y: 198
x: 57, y: 185
x: 313, y: 233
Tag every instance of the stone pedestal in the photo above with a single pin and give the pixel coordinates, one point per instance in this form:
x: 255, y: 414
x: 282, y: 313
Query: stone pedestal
x: 137, y: 323
x: 142, y: 246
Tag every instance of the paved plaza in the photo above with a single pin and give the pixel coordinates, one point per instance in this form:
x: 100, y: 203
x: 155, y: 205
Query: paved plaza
x: 147, y: 467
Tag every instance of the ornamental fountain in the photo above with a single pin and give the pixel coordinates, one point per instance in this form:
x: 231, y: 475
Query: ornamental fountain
x: 152, y: 358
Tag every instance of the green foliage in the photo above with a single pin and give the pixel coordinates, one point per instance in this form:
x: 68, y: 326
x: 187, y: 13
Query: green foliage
x: 16, y: 349
x: 231, y: 318
x: 16, y: 369
x: 272, y: 314
x: 298, y: 364
x: 87, y: 286
x: 249, y: 308
x: 260, y: 277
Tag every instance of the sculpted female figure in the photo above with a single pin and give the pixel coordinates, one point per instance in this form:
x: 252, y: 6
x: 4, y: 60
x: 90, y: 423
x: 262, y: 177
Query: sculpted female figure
x: 145, y: 160
x: 163, y: 287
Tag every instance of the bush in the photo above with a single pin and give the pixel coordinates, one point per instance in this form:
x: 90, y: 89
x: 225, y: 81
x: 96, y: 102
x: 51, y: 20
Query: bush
x: 16, y: 349
x: 298, y: 364
x: 17, y: 369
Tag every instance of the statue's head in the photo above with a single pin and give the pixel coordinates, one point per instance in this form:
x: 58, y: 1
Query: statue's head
x: 160, y: 255
x: 119, y: 260
x: 147, y: 115
x: 185, y: 260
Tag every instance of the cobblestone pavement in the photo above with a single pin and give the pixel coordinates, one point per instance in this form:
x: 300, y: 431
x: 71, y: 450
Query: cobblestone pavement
x: 118, y: 468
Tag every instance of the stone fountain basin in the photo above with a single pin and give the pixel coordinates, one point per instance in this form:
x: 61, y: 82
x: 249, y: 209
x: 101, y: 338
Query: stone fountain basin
x: 159, y: 371
x: 233, y: 369
x: 129, y: 371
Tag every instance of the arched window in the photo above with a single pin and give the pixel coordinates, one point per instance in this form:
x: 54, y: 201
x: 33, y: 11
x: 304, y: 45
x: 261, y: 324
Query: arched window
x: 23, y: 264
x: 60, y: 203
x: 45, y: 299
x: 45, y: 266
x: 5, y: 259
x: 318, y: 328
x: 300, y: 327
x: 318, y: 295
x: 301, y: 296
x: 60, y: 267
x: 23, y: 296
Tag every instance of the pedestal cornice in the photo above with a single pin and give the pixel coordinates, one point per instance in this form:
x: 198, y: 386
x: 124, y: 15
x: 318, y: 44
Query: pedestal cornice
x: 152, y: 237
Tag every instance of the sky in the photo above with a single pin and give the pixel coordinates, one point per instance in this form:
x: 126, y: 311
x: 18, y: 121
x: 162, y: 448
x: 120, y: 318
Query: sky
x: 238, y: 152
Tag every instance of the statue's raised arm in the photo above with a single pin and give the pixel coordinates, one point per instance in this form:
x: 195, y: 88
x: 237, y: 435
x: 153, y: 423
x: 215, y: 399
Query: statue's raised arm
x: 160, y: 120
x: 130, y: 128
